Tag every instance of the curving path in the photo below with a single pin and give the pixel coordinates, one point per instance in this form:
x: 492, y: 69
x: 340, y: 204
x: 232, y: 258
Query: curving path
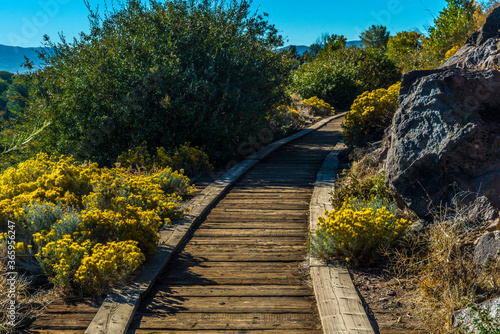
x: 240, y: 270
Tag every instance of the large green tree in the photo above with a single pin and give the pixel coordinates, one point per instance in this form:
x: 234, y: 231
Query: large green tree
x: 376, y: 36
x: 204, y: 72
x: 405, y: 49
x: 452, y: 27
x: 340, y: 75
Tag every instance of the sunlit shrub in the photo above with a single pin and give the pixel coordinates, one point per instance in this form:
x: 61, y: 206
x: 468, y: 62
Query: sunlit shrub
x: 66, y: 212
x: 355, y: 184
x: 371, y: 113
x: 108, y: 264
x: 357, y: 230
x: 165, y: 72
x: 339, y: 75
x: 320, y: 107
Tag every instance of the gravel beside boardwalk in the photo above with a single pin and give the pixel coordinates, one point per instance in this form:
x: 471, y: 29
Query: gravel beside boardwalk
x: 240, y: 269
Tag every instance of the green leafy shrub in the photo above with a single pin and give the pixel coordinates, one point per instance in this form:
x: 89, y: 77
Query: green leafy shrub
x: 405, y: 49
x: 357, y: 184
x: 339, y: 75
x: 191, y: 160
x: 204, y: 72
x: 452, y: 27
x: 371, y: 113
x: 356, y: 230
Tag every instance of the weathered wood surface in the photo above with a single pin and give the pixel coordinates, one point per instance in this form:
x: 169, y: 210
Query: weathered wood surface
x: 339, y: 305
x: 241, y: 268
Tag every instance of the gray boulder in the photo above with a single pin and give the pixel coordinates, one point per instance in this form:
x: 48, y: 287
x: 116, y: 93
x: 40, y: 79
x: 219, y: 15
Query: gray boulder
x: 487, y: 248
x: 465, y: 317
x: 481, y: 50
x: 445, y: 134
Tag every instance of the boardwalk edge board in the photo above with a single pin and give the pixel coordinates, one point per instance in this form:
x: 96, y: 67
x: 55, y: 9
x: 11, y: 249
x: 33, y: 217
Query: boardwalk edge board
x: 119, y: 307
x: 339, y: 306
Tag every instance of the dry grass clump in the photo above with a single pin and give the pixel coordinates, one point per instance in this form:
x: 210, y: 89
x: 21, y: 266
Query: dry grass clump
x: 441, y: 261
x: 364, y: 179
x: 305, y: 111
x: 30, y: 303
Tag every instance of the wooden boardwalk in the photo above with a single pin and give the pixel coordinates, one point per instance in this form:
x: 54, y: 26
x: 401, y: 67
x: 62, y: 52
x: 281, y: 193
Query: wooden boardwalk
x: 240, y: 270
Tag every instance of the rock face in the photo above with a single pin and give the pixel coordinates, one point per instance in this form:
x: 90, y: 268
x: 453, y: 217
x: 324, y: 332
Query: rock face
x: 466, y: 316
x: 481, y: 50
x: 487, y: 248
x: 445, y: 132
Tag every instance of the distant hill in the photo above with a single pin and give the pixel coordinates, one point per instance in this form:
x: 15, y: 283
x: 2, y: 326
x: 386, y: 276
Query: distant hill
x: 355, y: 43
x: 12, y: 57
x: 303, y: 48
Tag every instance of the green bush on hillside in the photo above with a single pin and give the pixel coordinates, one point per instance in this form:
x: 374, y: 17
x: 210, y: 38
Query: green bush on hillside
x: 338, y: 76
x: 204, y: 72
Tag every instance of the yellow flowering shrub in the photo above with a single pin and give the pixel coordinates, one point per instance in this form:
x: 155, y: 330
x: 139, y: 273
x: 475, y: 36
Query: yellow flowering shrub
x: 192, y: 160
x: 285, y: 118
x: 356, y: 230
x: 320, y: 107
x: 108, y: 264
x: 60, y: 259
x: 451, y: 52
x: 370, y: 114
x: 66, y: 212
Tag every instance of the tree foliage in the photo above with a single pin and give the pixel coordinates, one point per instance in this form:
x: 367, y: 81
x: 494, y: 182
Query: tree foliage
x: 338, y: 76
x: 405, y: 49
x: 452, y: 27
x: 204, y: 72
x: 375, y: 37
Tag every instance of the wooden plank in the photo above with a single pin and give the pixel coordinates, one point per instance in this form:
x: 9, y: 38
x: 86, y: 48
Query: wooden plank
x: 265, y: 241
x: 230, y: 206
x: 264, y: 232
x: 265, y: 331
x: 257, y: 213
x: 227, y: 290
x: 252, y: 257
x: 259, y: 201
x: 231, y: 321
x: 259, y: 216
x: 277, y: 224
x: 245, y: 304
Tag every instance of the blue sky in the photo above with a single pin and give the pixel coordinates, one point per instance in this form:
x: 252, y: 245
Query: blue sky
x: 301, y: 21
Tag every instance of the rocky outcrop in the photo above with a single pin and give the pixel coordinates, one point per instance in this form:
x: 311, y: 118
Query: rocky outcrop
x: 482, y: 48
x: 445, y: 133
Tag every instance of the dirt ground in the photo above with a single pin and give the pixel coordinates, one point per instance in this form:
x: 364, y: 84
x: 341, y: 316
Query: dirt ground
x: 387, y: 300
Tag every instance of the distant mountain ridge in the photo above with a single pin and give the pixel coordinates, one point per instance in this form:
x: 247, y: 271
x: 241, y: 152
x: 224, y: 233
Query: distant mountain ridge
x: 12, y: 57
x: 303, y: 48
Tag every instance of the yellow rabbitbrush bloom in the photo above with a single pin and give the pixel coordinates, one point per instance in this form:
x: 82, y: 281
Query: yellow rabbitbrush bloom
x: 64, y: 210
x: 319, y: 106
x: 108, y: 265
x: 370, y: 114
x: 357, y: 230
